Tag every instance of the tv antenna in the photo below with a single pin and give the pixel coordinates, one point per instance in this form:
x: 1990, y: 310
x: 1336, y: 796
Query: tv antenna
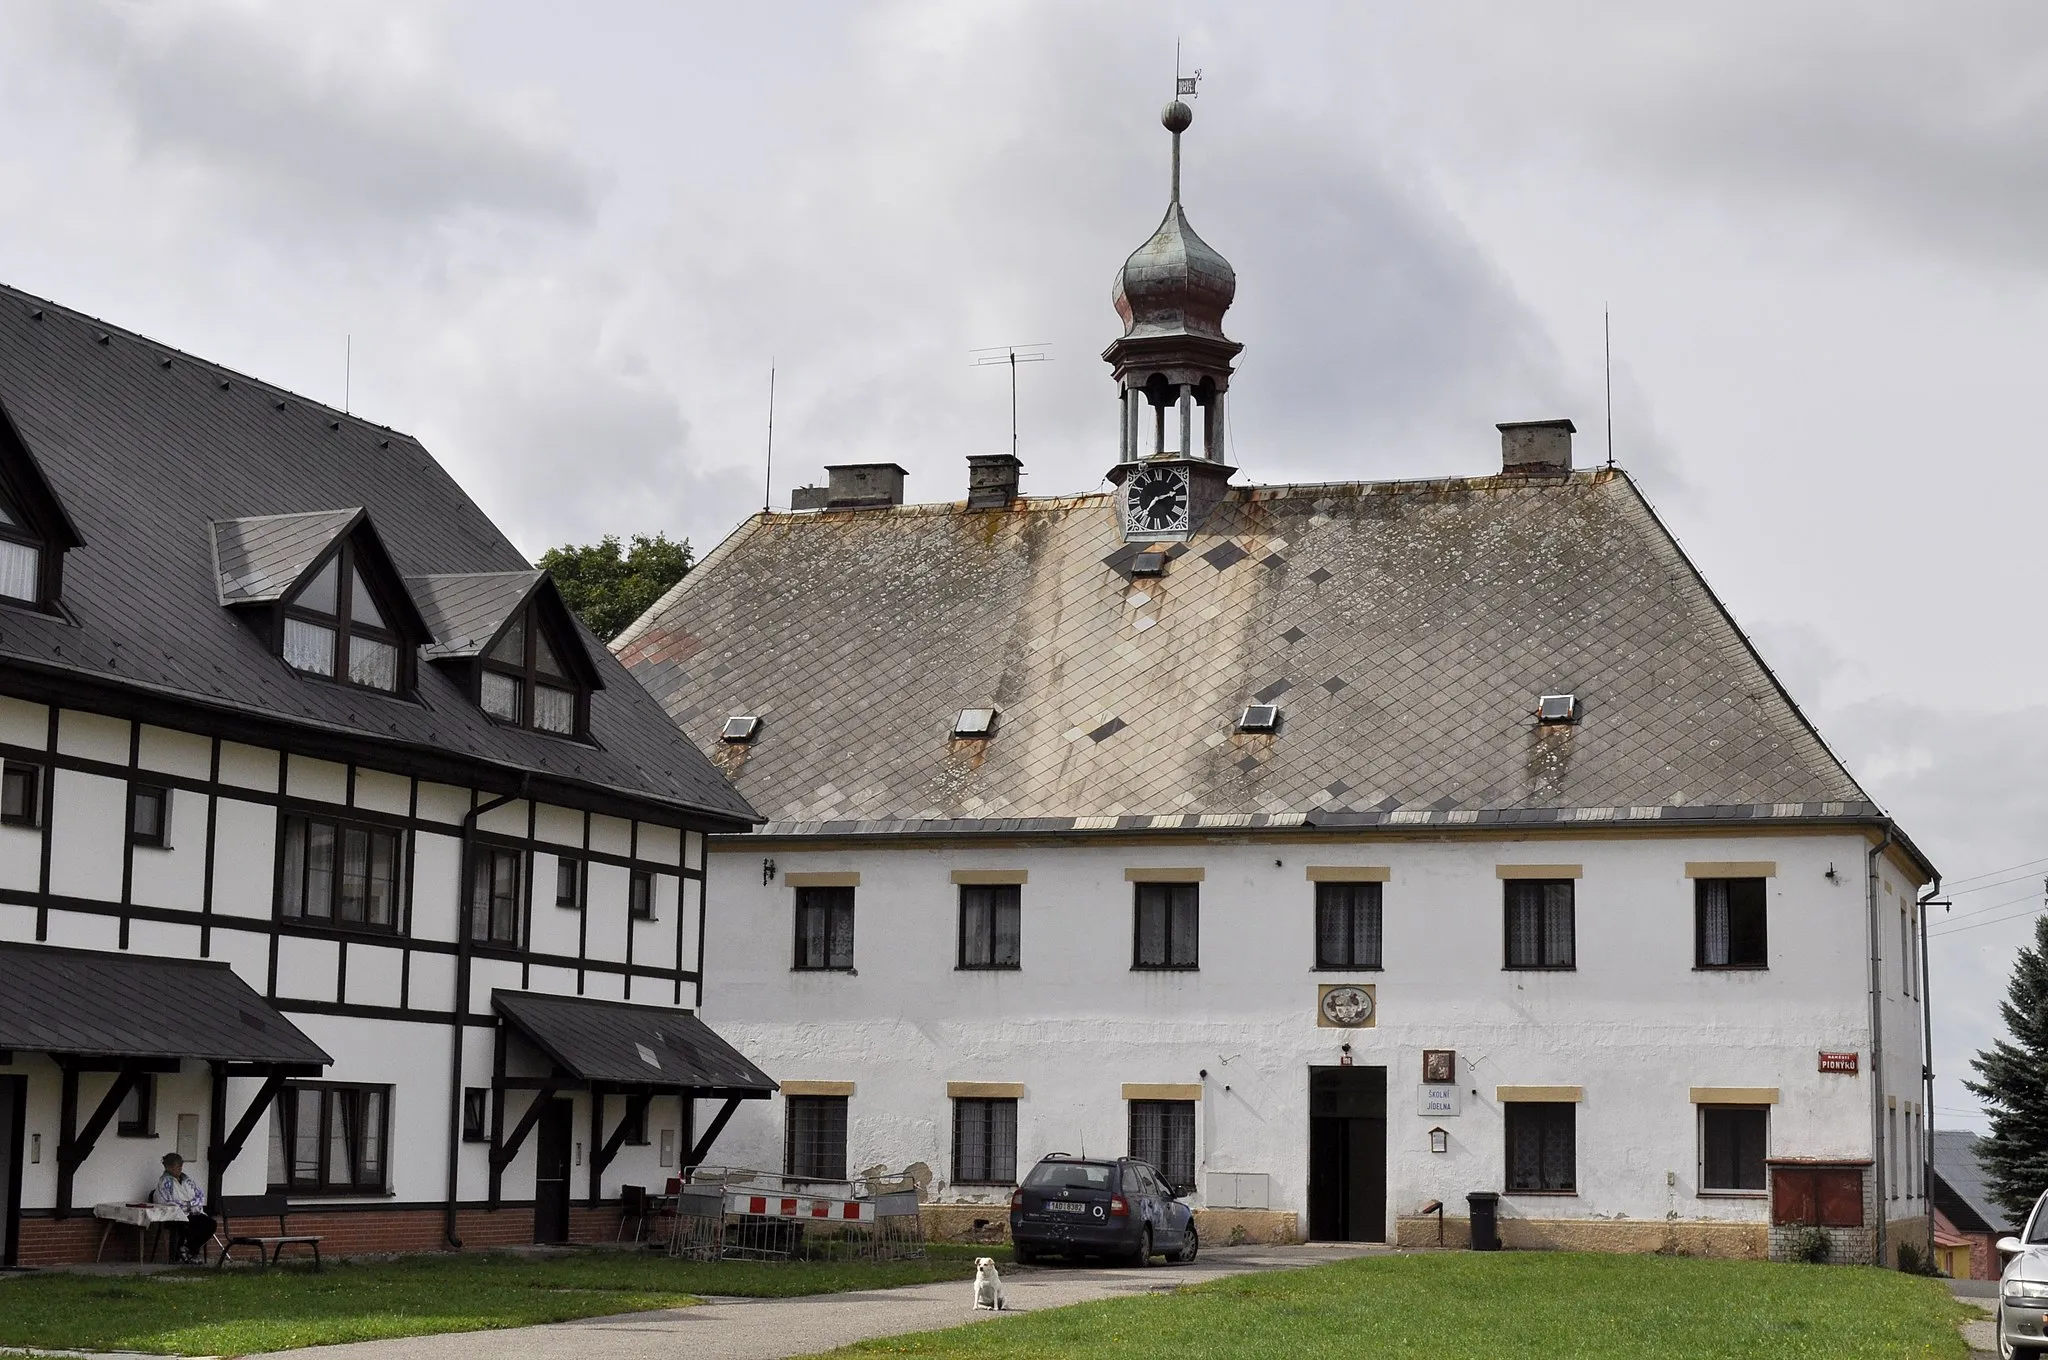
x: 1607, y: 338
x: 990, y: 355
x: 348, y: 369
x: 768, y: 475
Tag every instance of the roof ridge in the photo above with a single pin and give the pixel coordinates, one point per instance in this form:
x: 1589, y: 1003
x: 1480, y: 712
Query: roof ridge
x: 72, y: 313
x: 289, y: 514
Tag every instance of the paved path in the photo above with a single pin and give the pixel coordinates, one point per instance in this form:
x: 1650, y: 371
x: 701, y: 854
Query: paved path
x: 772, y: 1329
x: 1979, y: 1333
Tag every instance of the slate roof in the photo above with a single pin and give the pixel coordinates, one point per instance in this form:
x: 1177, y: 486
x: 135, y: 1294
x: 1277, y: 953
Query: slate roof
x: 1405, y: 629
x: 159, y: 457
x: 262, y: 557
x: 466, y: 612
x: 620, y: 1043
x: 80, y: 1001
x: 1960, y: 1189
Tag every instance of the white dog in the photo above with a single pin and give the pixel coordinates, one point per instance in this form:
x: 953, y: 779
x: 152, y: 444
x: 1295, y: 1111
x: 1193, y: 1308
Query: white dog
x: 988, y: 1286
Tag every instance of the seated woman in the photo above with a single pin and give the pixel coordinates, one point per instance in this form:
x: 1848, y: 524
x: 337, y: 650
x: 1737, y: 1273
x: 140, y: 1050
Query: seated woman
x: 180, y: 1189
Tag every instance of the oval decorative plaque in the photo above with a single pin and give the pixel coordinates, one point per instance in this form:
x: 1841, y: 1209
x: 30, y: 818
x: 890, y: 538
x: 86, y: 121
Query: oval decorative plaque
x: 1346, y: 1007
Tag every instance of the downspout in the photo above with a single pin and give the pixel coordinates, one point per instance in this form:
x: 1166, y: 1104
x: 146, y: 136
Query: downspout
x: 1927, y: 1075
x: 461, y: 1026
x: 1877, y: 1139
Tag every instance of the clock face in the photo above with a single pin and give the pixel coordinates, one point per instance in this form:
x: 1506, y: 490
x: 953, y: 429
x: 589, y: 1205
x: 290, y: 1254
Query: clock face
x: 1156, y: 502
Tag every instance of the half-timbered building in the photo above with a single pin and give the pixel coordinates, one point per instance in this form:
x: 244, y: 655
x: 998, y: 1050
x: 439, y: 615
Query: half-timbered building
x: 335, y: 853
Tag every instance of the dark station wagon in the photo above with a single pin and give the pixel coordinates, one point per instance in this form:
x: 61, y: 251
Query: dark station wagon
x: 1074, y: 1206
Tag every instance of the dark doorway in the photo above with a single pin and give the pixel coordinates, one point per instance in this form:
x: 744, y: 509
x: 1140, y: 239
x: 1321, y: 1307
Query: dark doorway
x: 551, y: 1173
x: 1347, y: 1154
x: 13, y: 1109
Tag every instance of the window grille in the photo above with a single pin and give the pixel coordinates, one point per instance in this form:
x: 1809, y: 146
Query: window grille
x: 814, y: 1138
x: 1163, y: 1137
x: 1347, y: 925
x: 1539, y: 924
x: 984, y: 1142
x: 1542, y: 1146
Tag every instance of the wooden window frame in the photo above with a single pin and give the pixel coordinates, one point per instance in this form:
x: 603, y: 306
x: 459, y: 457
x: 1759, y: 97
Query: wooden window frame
x: 1328, y: 901
x: 143, y: 1092
x: 49, y: 559
x: 827, y: 1164
x: 476, y: 1114
x: 1513, y: 887
x: 293, y: 821
x: 284, y: 1124
x: 1709, y: 1116
x: 1760, y: 961
x: 28, y: 778
x: 829, y: 902
x: 1165, y: 897
x: 1550, y: 1113
x: 1001, y: 898
x: 579, y: 886
x: 139, y: 793
x: 347, y: 561
x: 530, y: 677
x: 484, y: 855
x: 640, y: 894
x: 975, y: 1118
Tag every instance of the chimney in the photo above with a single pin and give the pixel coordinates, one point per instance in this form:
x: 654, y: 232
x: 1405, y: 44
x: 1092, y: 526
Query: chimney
x: 807, y: 498
x: 992, y: 480
x: 1536, y: 447
x: 858, y: 486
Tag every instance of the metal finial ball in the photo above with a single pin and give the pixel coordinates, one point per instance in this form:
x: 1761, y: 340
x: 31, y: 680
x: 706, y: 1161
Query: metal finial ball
x: 1176, y: 116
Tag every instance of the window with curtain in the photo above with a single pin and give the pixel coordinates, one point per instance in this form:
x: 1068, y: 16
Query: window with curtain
x: 522, y: 680
x: 1542, y: 1145
x: 328, y: 1138
x: 984, y: 1142
x: 991, y: 925
x: 344, y: 873
x: 1733, y: 1140
x: 21, y: 556
x: 1347, y: 925
x: 334, y: 627
x: 824, y: 928
x: 1540, y: 929
x: 1730, y: 923
x: 1168, y: 927
x: 1163, y: 1137
x: 494, y: 897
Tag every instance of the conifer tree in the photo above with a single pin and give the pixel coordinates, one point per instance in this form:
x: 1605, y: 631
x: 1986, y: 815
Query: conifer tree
x: 2013, y: 1083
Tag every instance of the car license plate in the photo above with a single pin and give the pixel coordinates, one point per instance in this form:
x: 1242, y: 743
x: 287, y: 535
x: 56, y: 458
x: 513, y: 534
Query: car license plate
x: 1059, y: 1206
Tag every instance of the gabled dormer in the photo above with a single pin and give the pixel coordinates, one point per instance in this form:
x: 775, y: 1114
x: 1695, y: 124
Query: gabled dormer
x: 35, y: 533
x: 323, y: 592
x: 513, y: 645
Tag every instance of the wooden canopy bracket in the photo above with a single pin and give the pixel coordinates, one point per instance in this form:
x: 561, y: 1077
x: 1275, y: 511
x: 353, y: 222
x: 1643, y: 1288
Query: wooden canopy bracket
x: 505, y: 1149
x: 718, y: 1122
x: 221, y: 1154
x: 602, y: 1155
x: 75, y: 1144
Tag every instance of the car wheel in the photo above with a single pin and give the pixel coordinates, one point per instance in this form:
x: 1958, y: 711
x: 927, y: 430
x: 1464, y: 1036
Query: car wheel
x: 1143, y: 1255
x: 1023, y: 1256
x: 1190, y: 1244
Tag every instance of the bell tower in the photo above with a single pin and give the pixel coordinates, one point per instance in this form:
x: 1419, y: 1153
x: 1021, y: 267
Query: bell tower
x: 1172, y: 369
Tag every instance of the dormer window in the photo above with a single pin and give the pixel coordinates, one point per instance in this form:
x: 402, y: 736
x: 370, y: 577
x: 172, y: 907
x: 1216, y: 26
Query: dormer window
x: 522, y: 680
x: 334, y: 628
x: 21, y: 556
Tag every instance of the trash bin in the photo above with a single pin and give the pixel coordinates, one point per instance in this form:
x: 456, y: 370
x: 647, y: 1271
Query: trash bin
x: 1485, y: 1206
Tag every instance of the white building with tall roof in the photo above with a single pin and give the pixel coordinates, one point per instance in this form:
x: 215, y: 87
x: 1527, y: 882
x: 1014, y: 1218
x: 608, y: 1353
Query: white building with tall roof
x: 1345, y: 849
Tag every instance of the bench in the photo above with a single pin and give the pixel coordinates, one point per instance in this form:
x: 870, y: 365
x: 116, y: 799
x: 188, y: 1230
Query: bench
x: 268, y: 1245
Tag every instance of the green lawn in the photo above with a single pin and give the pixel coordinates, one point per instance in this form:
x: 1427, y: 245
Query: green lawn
x: 1538, y: 1305
x: 239, y: 1311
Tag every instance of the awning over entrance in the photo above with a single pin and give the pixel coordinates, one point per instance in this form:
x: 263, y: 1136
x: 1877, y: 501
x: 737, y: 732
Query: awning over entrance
x: 615, y: 1048
x: 138, y: 1014
x: 618, y: 1044
x: 82, y: 1003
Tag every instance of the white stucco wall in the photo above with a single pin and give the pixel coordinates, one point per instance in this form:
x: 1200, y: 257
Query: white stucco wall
x: 1634, y: 1025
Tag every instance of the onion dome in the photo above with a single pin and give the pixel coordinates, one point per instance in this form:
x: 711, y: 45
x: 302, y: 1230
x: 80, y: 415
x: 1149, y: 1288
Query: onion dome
x: 1176, y: 283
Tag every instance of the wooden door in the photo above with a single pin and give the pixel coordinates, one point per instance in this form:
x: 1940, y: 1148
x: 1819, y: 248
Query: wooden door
x: 551, y: 1172
x: 13, y: 1111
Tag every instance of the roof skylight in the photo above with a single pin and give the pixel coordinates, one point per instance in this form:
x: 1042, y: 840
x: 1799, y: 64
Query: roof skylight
x: 740, y: 728
x: 1557, y: 708
x: 1259, y: 718
x: 975, y: 722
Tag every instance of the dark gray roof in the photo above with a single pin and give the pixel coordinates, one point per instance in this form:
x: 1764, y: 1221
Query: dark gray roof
x: 1406, y: 630
x: 150, y: 451
x: 620, y: 1043
x: 78, y: 1001
x: 467, y: 611
x: 1960, y: 1190
x: 262, y: 557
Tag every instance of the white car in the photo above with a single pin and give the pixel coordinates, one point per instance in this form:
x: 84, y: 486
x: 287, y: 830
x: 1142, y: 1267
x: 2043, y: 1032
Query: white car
x: 2023, y: 1288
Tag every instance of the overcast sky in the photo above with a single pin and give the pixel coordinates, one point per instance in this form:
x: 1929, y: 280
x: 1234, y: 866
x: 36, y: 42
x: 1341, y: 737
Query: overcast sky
x: 568, y: 242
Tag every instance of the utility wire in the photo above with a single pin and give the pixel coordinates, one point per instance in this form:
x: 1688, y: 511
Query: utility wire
x: 1952, y: 885
x: 1957, y: 930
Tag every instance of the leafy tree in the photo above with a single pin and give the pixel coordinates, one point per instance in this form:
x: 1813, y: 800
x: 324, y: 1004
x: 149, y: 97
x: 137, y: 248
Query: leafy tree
x: 2014, y: 1086
x: 609, y: 587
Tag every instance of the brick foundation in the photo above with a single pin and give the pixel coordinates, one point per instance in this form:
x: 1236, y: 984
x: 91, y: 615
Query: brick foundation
x: 344, y: 1232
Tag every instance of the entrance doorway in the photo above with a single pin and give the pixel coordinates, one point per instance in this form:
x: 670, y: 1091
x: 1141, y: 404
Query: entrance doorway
x: 13, y: 1118
x: 551, y: 1172
x: 1347, y: 1154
